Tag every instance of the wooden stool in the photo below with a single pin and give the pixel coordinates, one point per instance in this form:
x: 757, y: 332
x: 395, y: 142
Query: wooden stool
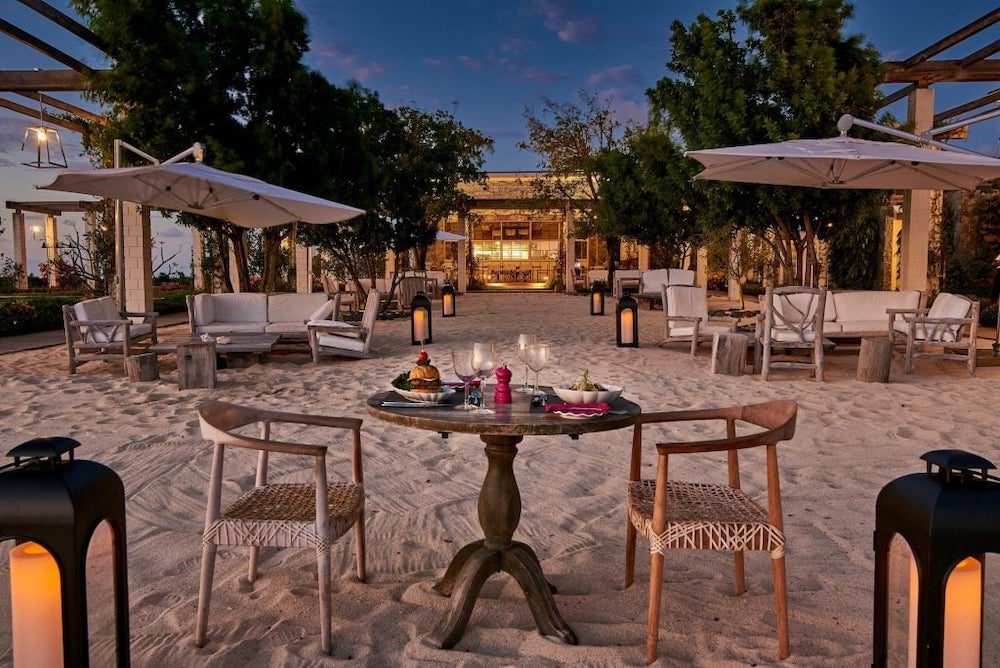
x: 729, y: 353
x: 874, y: 361
x: 196, y: 365
x: 141, y: 367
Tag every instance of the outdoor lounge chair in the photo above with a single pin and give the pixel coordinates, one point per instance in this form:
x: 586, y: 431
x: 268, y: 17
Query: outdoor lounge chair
x: 791, y: 319
x: 333, y: 337
x: 674, y: 515
x: 96, y: 330
x: 685, y: 317
x: 940, y: 326
x: 303, y: 515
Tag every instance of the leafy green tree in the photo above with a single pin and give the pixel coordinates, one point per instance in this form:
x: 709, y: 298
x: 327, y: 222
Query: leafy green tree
x: 769, y: 71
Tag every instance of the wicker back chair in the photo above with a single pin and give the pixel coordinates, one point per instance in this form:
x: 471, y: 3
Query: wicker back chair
x: 698, y: 516
x: 279, y: 515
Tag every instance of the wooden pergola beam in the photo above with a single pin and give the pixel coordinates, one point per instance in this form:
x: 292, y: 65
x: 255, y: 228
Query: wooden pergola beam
x: 26, y: 38
x: 897, y: 95
x: 65, y: 106
x: 954, y: 38
x: 932, y: 71
x: 54, y: 208
x: 46, y: 116
x: 981, y: 54
x: 968, y: 106
x: 66, y: 22
x: 18, y: 81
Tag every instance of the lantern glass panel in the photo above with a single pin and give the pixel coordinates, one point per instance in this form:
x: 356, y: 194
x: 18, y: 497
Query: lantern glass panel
x: 901, y: 606
x: 991, y: 610
x: 101, y: 595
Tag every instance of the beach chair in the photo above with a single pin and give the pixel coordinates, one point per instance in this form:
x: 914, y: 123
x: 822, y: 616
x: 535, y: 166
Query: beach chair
x: 699, y: 516
x: 940, y: 326
x: 96, y: 330
x: 791, y: 318
x: 334, y: 337
x: 298, y: 515
x: 685, y: 317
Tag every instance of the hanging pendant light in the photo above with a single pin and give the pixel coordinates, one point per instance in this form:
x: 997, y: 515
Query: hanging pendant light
x: 43, y: 138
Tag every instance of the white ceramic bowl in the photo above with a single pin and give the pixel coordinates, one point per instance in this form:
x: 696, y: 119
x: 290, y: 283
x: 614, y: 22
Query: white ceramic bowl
x: 586, y: 397
x: 222, y: 340
x: 425, y: 397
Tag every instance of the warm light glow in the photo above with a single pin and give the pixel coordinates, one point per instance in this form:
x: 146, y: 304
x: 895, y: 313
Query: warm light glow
x: 36, y: 609
x: 448, y: 304
x: 41, y: 135
x: 420, y: 324
x: 628, y: 318
x: 963, y: 610
x: 596, y: 297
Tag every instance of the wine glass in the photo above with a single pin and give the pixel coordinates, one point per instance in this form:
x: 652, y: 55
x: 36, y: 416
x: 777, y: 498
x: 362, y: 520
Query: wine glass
x: 484, y: 360
x: 523, y: 342
x: 539, y: 355
x: 461, y: 361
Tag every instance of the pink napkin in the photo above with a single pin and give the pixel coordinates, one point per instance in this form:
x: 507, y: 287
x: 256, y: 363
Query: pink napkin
x: 458, y: 383
x: 600, y: 407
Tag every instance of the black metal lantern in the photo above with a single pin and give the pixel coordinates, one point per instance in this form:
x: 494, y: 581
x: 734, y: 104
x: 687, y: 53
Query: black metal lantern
x: 627, y: 322
x: 51, y: 507
x: 948, y: 518
x: 420, y: 320
x: 448, y: 295
x: 596, y: 299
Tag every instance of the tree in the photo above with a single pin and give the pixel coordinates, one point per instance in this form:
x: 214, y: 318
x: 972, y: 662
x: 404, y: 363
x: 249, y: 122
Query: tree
x: 769, y: 71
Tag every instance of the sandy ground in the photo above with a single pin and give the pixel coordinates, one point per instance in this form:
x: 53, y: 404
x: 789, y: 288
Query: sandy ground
x: 421, y: 498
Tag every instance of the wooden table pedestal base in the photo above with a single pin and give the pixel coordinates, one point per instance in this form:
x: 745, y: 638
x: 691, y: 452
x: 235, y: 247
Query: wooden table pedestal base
x: 499, y: 514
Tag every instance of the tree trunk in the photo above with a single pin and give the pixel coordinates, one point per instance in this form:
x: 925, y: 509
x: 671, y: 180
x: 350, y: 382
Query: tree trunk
x: 222, y: 241
x: 421, y: 253
x: 242, y: 260
x: 270, y: 244
x: 614, y: 247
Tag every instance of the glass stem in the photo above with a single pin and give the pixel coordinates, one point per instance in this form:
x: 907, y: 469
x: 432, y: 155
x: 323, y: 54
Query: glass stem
x: 535, y: 391
x: 527, y: 377
x: 466, y: 387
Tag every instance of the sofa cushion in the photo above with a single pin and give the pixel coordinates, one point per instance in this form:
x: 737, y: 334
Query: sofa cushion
x: 204, y: 311
x: 686, y: 301
x: 341, y: 342
x: 240, y: 307
x: 703, y: 330
x: 324, y: 312
x: 793, y: 306
x: 654, y: 279
x: 787, y: 335
x: 94, y: 309
x: 231, y: 327
x: 112, y: 334
x: 294, y: 307
x: 872, y: 304
x: 294, y: 327
x: 849, y: 327
x: 681, y: 277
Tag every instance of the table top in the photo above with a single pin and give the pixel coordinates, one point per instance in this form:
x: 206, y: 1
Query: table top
x: 238, y: 343
x: 515, y: 419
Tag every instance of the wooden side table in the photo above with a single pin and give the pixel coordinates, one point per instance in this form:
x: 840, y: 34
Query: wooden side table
x: 196, y: 365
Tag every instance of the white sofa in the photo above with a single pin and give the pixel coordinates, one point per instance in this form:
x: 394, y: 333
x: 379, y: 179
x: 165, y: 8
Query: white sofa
x: 256, y: 313
x: 855, y: 314
x: 652, y: 281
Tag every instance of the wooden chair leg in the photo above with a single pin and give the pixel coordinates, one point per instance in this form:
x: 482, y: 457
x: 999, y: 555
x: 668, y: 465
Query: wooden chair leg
x: 254, y: 560
x: 653, y: 619
x: 909, y: 367
x: 204, y: 593
x: 972, y: 358
x: 781, y: 605
x: 765, y: 365
x: 630, y: 536
x: 323, y: 566
x: 739, y: 567
x: 818, y: 360
x: 359, y: 546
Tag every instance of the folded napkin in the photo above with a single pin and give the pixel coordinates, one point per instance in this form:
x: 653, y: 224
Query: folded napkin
x: 599, y: 407
x: 458, y: 383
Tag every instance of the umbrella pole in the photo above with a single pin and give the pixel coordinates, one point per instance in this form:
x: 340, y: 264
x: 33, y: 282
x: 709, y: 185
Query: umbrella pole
x: 119, y: 237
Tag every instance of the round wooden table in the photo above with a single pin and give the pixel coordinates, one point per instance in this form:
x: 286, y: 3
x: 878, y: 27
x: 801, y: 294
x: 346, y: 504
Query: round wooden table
x: 499, y: 502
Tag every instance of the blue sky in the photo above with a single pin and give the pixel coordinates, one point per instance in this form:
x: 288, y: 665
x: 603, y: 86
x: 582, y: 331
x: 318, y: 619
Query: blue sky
x: 487, y: 61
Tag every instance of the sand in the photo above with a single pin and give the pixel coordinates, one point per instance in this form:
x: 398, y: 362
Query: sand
x: 421, y: 499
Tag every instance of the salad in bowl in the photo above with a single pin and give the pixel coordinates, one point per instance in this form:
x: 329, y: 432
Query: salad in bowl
x: 585, y: 391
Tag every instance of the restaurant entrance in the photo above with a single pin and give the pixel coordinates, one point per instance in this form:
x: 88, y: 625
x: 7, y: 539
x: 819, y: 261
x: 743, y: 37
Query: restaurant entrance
x: 516, y: 254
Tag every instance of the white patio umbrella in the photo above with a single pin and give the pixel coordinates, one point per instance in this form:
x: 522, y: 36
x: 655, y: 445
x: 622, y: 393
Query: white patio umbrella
x: 443, y: 235
x: 846, y: 162
x: 200, y: 189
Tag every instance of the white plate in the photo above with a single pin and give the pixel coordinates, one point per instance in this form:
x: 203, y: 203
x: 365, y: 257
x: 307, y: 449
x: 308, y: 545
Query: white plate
x: 589, y: 397
x: 578, y: 416
x: 425, y: 397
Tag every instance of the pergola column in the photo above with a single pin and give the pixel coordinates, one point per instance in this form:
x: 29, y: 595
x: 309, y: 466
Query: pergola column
x: 917, y: 204
x: 643, y: 257
x: 90, y: 234
x: 701, y: 267
x: 20, y: 248
x: 138, y: 258
x: 570, y: 240
x: 462, y: 261
x: 303, y: 268
x: 52, y: 248
x: 198, y: 260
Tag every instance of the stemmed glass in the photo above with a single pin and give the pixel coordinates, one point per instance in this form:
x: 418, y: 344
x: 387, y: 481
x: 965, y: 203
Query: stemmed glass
x: 484, y: 360
x: 538, y: 358
x: 461, y: 361
x: 524, y: 341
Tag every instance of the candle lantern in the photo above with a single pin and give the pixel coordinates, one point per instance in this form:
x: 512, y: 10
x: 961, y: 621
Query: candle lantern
x: 596, y: 299
x: 50, y: 506
x: 627, y: 322
x: 448, y: 301
x: 947, y: 516
x: 420, y: 320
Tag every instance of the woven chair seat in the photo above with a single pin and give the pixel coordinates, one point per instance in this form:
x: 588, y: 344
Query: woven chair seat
x: 284, y: 515
x: 703, y: 517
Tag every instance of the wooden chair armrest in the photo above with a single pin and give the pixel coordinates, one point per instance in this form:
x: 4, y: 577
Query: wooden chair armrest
x: 900, y: 311
x: 718, y: 445
x: 685, y: 318
x: 342, y: 327
x: 353, y: 424
x: 939, y: 321
x: 140, y: 314
x: 98, y: 323
x: 689, y: 415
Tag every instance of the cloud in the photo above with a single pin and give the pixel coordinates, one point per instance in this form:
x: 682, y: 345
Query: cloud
x: 173, y: 232
x: 347, y: 58
x: 622, y: 76
x: 562, y: 18
x: 435, y: 63
x: 470, y: 62
x: 516, y: 45
x: 627, y: 107
x: 539, y: 74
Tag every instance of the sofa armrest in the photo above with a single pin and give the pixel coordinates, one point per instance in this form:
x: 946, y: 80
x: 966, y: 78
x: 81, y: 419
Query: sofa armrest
x: 99, y: 323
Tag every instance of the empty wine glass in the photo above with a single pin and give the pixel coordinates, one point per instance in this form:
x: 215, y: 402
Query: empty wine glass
x: 484, y: 359
x: 461, y: 361
x: 539, y: 355
x: 523, y: 342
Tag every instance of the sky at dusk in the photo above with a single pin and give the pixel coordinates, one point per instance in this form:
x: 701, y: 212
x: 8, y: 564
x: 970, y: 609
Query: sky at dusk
x: 486, y: 61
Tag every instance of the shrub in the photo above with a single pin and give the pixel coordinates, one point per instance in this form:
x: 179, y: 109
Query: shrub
x: 24, y: 315
x: 172, y: 302
x: 753, y: 289
x: 987, y: 313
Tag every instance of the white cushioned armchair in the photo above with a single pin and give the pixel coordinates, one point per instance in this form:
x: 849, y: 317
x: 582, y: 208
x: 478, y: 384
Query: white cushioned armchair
x: 96, y: 330
x: 940, y: 326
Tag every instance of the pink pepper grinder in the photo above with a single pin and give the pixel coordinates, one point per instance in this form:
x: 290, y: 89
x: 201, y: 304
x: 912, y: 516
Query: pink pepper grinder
x: 501, y: 394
